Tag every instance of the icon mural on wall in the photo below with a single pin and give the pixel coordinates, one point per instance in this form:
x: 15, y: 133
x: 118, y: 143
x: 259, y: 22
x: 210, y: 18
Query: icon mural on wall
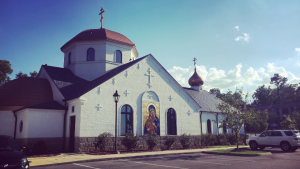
x: 151, y: 120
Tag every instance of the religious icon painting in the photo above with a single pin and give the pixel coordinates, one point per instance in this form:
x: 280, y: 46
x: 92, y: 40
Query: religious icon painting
x: 151, y: 120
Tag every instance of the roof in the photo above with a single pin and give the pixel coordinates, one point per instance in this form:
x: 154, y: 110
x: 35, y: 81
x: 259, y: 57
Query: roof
x: 65, y: 80
x: 100, y: 34
x: 49, y: 105
x: 96, y: 82
x: 207, y: 101
x: 23, y: 92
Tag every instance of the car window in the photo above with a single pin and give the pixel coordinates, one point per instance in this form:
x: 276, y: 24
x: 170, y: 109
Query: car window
x: 276, y: 133
x: 288, y: 133
x: 265, y: 134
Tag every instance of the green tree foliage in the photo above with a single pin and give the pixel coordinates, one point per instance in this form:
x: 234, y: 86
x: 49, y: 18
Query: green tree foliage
x: 287, y: 93
x: 21, y: 74
x: 260, y: 121
x: 274, y: 118
x: 235, y: 112
x: 5, y: 70
x: 33, y: 74
x: 217, y: 92
x: 296, y: 118
x: 279, y: 82
x: 288, y: 123
x: 264, y: 96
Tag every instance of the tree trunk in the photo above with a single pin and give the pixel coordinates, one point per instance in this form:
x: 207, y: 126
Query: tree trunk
x: 237, y: 141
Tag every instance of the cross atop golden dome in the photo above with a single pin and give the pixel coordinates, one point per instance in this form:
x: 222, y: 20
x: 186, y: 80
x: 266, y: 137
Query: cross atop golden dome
x: 196, y: 80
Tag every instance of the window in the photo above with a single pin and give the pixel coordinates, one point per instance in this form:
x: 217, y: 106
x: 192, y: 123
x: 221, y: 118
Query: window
x: 171, y: 121
x: 118, y: 56
x: 126, y: 120
x: 224, y: 129
x: 73, y: 109
x: 208, y: 126
x: 288, y: 133
x: 21, y: 126
x: 90, y: 54
x: 265, y: 134
x: 276, y: 133
x: 69, y: 59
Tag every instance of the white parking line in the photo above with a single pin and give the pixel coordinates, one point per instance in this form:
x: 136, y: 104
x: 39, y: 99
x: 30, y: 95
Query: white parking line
x: 229, y: 159
x: 204, y: 162
x: 85, y: 166
x: 154, y: 164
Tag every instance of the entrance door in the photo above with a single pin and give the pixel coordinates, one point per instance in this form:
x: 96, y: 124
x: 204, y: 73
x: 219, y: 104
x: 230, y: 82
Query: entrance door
x: 72, y: 133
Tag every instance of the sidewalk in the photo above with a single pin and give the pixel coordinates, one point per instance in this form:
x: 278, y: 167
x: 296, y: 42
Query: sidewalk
x: 67, y: 158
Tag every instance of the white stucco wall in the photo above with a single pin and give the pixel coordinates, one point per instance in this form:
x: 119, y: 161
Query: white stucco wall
x: 7, y: 123
x: 24, y: 116
x: 105, y: 57
x: 77, y: 109
x: 133, y: 80
x: 45, y: 123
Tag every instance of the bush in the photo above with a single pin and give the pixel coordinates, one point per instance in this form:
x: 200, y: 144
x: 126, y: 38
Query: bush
x: 39, y: 148
x: 104, y: 139
x: 130, y: 141
x: 231, y: 139
x: 208, y: 140
x: 169, y: 141
x: 28, y: 149
x: 152, y: 141
x: 197, y: 141
x: 221, y: 139
x: 185, y: 140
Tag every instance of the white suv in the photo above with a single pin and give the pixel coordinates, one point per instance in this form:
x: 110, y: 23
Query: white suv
x: 288, y: 140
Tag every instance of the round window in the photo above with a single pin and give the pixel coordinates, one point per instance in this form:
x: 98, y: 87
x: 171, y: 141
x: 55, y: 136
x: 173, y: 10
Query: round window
x: 21, y: 126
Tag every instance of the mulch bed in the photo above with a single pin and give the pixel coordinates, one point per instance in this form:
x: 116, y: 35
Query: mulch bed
x: 238, y: 150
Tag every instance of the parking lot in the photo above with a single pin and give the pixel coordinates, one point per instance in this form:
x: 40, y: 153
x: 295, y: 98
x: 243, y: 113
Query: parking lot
x: 278, y: 159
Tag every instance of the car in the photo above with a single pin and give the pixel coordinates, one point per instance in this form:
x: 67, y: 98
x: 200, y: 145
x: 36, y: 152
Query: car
x: 11, y: 155
x: 288, y: 140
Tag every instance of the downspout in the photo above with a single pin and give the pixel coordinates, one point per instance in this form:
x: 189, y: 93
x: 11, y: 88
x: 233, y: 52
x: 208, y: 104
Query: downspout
x: 64, y: 128
x: 16, y: 119
x: 201, y: 121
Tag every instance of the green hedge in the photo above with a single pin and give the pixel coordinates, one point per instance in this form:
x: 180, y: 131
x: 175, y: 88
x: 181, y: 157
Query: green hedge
x: 221, y: 139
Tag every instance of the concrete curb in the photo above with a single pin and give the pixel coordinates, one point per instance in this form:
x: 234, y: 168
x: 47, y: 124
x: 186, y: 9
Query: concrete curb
x: 232, y: 154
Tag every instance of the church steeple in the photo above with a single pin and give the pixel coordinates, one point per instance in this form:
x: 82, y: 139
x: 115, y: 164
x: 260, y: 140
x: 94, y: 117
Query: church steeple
x: 196, y: 81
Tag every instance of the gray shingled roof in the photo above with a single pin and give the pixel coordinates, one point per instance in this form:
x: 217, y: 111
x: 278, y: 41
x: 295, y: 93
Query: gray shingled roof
x: 207, y: 101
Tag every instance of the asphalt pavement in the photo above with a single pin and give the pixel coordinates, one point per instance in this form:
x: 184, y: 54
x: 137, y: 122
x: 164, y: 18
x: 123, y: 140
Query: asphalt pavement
x: 278, y: 160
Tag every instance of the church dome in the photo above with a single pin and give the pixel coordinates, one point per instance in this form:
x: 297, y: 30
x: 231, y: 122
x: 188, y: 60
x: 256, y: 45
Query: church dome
x: 23, y: 92
x: 196, y: 80
x: 100, y: 34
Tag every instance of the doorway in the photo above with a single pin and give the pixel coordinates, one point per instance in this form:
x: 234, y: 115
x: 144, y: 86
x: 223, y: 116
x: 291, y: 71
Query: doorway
x: 72, y: 134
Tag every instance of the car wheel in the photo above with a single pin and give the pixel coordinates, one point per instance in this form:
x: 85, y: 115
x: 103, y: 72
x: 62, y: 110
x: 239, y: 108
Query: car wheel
x: 262, y: 147
x: 285, y: 146
x: 294, y: 149
x: 253, y: 145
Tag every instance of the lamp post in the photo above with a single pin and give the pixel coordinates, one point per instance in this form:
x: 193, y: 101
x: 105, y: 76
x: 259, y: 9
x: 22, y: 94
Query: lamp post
x: 116, y: 98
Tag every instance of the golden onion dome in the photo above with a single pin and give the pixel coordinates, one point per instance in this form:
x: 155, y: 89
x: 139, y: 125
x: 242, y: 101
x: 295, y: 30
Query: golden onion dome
x: 196, y: 80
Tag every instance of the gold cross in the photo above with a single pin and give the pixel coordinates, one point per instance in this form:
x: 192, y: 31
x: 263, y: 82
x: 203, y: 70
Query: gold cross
x: 195, y: 62
x: 101, y: 13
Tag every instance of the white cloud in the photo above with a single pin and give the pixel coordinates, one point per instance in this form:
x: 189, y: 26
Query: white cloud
x: 297, y: 50
x: 249, y: 80
x: 237, y: 28
x: 245, y: 38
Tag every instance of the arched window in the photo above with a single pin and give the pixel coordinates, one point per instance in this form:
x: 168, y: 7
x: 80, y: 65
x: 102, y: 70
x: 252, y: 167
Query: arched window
x: 90, y: 54
x: 224, y: 129
x: 171, y: 122
x: 69, y: 59
x: 126, y: 120
x: 21, y: 126
x: 118, y: 56
x: 208, y: 126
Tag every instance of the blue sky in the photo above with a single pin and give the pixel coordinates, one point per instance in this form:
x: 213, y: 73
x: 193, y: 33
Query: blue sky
x: 236, y: 43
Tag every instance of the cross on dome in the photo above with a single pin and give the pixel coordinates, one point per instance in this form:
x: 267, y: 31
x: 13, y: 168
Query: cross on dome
x: 101, y: 13
x: 195, y: 62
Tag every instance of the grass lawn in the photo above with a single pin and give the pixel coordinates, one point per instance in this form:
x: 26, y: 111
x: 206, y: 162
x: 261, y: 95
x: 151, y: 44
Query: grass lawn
x: 246, y: 152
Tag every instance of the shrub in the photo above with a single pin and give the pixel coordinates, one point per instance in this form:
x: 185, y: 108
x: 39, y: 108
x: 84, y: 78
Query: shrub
x: 39, y: 148
x: 28, y: 149
x: 104, y: 139
x: 197, y: 141
x: 152, y: 141
x: 208, y: 140
x: 185, y: 140
x: 231, y: 139
x: 169, y: 141
x: 130, y: 141
x: 221, y: 139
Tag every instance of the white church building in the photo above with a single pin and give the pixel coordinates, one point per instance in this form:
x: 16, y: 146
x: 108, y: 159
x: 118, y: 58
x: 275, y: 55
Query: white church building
x: 69, y: 106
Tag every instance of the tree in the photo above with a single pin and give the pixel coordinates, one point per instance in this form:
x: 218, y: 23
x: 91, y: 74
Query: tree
x: 235, y: 112
x: 20, y: 74
x: 296, y: 119
x: 264, y: 96
x: 33, y: 74
x: 279, y: 81
x: 260, y: 121
x: 274, y: 118
x: 217, y: 92
x: 288, y: 123
x: 287, y: 93
x: 5, y: 69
